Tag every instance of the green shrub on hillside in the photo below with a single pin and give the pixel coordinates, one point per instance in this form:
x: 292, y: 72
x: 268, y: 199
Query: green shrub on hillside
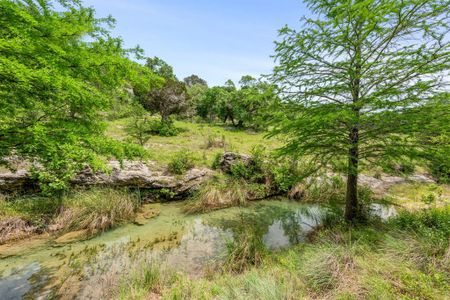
x: 163, y: 128
x: 181, y: 162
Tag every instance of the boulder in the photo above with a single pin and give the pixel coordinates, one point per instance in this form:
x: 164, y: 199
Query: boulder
x: 230, y: 158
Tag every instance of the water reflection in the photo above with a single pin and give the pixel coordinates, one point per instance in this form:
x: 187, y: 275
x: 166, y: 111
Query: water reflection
x: 292, y: 228
x: 18, y: 282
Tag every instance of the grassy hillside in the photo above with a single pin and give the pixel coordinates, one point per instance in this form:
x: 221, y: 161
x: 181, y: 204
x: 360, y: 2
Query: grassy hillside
x: 203, y: 140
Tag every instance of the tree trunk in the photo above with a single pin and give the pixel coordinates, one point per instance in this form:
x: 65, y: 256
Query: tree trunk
x: 351, y: 208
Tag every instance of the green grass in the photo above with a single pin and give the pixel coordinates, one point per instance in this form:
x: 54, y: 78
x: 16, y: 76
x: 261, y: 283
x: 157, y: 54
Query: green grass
x: 410, y: 195
x: 196, y: 138
x: 394, y: 260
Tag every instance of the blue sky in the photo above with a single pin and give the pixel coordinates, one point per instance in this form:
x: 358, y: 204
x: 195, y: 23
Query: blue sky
x: 216, y: 39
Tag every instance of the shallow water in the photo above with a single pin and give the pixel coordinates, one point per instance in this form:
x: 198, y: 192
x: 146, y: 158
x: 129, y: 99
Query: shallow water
x: 187, y: 244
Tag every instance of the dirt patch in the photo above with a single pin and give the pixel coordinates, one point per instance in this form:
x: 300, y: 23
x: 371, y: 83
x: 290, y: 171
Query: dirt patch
x: 15, y: 229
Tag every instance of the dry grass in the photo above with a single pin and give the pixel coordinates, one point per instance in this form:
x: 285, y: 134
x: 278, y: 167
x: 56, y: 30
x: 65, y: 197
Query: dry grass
x: 96, y: 210
x: 215, y: 196
x: 15, y: 229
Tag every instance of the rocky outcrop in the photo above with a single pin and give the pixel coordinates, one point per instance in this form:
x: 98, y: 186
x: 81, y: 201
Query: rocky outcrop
x: 131, y: 174
x: 230, y: 158
x: 383, y: 183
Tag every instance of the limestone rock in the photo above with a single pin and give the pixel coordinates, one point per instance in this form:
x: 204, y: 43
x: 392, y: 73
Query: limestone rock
x: 230, y: 158
x: 131, y: 174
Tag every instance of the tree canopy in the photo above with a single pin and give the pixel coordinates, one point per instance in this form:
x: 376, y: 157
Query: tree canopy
x: 192, y: 80
x: 58, y: 72
x: 364, y: 81
x: 245, y: 106
x: 160, y: 67
x: 171, y: 98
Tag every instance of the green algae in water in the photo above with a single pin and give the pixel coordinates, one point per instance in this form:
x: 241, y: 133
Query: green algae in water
x: 182, y: 242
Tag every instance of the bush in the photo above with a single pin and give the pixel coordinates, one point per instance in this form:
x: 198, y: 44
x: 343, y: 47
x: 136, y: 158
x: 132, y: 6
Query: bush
x: 256, y: 171
x: 163, y: 128
x: 215, y: 165
x: 402, y: 167
x: 182, y: 162
x: 438, y: 160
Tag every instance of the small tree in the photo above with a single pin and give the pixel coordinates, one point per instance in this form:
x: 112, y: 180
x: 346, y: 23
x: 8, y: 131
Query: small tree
x: 363, y: 81
x: 139, y: 126
x: 171, y: 98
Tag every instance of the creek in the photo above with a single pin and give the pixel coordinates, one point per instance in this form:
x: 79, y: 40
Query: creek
x: 39, y: 267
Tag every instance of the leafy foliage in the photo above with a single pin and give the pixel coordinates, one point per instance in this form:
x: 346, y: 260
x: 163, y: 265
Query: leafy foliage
x: 245, y: 107
x: 193, y: 80
x: 58, y: 72
x: 364, y: 81
x: 139, y: 126
x: 181, y: 162
x: 160, y: 67
x: 171, y: 98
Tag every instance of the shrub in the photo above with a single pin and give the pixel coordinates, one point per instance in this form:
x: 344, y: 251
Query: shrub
x: 402, y: 167
x: 256, y: 171
x: 163, y: 128
x: 428, y: 198
x: 438, y: 160
x: 216, y: 161
x: 181, y: 162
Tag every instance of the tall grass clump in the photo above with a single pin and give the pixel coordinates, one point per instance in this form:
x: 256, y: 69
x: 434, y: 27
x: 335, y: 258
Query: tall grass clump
x: 97, y: 209
x: 217, y: 195
x: 22, y: 216
x: 149, y: 279
x: 431, y: 225
x: 214, y: 141
x: 247, y: 248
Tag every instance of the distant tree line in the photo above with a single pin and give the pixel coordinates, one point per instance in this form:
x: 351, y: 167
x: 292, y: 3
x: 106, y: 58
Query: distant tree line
x: 244, y: 106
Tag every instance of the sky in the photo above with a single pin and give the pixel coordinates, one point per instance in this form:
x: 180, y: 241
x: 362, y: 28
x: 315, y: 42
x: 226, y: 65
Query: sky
x: 214, y: 39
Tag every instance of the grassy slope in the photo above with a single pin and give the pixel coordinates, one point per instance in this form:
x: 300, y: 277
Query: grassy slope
x: 194, y: 138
